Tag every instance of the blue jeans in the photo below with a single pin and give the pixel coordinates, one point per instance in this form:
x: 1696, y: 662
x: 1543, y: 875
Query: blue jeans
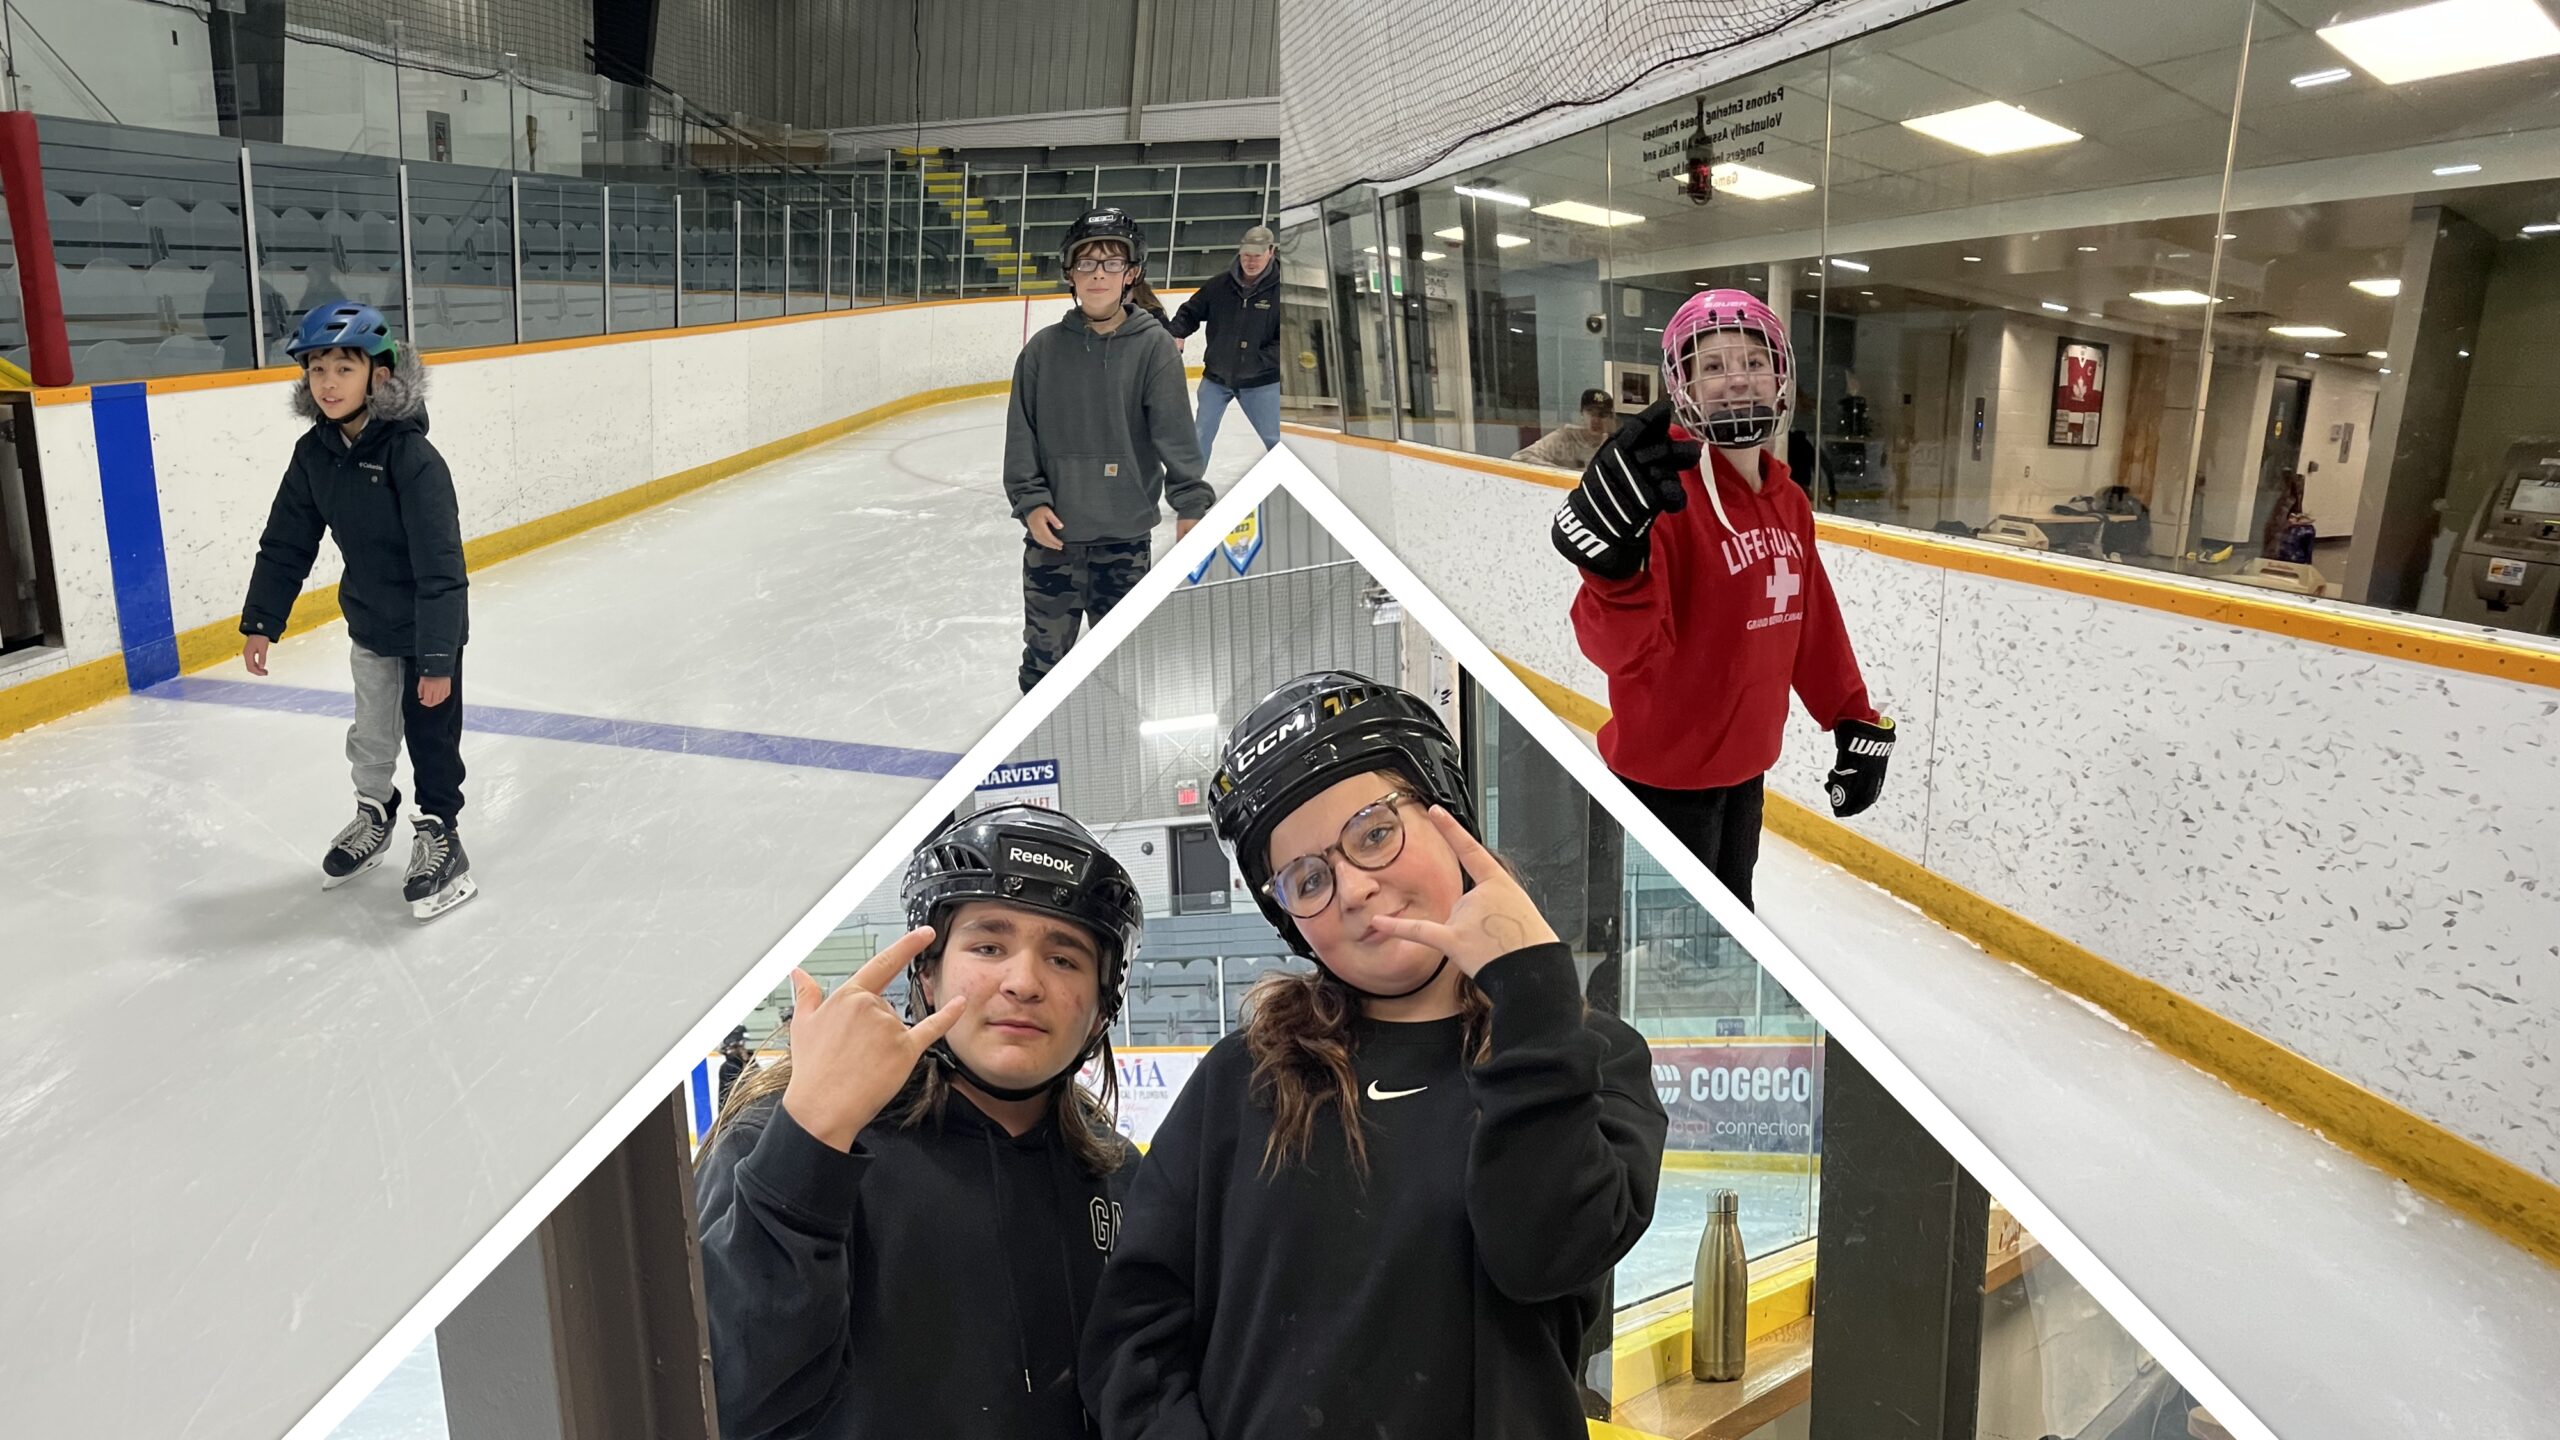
x: 1260, y: 403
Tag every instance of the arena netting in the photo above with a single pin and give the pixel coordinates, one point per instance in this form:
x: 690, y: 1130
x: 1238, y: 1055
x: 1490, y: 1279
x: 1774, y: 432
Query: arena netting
x: 1373, y: 91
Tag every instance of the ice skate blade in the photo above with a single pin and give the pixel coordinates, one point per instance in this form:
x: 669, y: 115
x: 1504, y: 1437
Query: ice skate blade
x: 332, y: 882
x: 463, y: 888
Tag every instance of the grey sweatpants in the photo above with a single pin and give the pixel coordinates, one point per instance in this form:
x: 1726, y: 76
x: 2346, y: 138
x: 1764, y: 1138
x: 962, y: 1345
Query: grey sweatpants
x: 373, y: 741
x: 387, y: 713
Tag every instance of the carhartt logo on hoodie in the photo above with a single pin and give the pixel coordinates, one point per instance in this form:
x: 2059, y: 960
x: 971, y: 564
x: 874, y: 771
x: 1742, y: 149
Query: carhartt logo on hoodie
x: 1785, y: 552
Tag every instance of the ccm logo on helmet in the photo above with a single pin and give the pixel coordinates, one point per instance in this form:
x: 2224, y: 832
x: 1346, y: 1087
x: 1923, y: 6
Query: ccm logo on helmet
x: 1244, y: 757
x: 1020, y: 854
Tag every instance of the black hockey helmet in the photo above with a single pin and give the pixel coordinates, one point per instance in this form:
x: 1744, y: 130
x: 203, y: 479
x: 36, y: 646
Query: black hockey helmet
x: 1313, y: 732
x: 1108, y: 223
x: 1041, y: 860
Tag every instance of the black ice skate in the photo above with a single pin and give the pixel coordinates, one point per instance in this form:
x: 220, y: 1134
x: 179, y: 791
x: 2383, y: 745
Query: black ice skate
x: 362, y: 845
x: 439, y: 873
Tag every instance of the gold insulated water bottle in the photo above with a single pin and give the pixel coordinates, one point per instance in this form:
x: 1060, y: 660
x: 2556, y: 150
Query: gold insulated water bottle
x: 1720, y: 1294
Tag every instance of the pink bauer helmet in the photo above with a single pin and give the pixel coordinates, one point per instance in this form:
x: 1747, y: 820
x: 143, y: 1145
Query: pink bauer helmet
x: 1739, y: 420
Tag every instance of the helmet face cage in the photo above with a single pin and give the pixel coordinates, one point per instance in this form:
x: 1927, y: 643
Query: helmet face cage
x: 1315, y: 732
x: 1039, y: 860
x: 1710, y: 312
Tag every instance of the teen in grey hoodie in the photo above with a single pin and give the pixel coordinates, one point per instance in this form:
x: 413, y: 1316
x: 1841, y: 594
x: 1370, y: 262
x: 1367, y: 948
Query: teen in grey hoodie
x: 1098, y: 439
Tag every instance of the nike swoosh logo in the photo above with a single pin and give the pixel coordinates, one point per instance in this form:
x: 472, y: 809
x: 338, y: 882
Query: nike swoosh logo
x: 1377, y: 1094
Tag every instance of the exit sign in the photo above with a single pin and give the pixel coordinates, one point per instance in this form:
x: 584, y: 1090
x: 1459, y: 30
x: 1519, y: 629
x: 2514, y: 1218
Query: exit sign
x: 1187, y: 793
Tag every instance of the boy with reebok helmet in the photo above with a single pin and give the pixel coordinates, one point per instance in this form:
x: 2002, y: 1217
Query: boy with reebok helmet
x: 365, y: 475
x: 1390, y: 1204
x: 1703, y: 596
x: 903, y: 1221
x: 1098, y: 437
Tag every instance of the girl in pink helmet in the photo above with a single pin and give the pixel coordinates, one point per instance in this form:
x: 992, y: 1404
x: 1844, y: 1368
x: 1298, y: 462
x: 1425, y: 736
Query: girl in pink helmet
x: 1703, y: 597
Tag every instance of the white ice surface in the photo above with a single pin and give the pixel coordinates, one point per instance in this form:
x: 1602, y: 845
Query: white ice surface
x: 247, y: 1123
x: 2337, y: 1303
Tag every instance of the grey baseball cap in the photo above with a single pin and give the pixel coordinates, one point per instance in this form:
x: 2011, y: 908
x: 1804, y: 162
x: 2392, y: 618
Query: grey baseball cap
x: 1257, y: 240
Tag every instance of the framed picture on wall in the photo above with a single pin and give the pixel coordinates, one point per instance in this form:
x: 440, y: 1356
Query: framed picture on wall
x: 2079, y: 391
x: 1632, y: 385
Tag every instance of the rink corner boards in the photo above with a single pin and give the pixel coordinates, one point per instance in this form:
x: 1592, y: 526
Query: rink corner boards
x: 2516, y: 1204
x: 35, y: 701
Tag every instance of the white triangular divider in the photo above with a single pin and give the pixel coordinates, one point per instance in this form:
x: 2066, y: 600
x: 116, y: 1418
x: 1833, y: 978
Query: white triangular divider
x: 867, y: 874
x: 1283, y: 472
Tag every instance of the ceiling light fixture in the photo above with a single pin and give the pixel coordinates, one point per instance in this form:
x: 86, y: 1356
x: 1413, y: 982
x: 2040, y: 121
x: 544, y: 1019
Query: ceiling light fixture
x: 2057, y: 308
x: 2088, y: 249
x: 1973, y: 259
x: 2310, y: 354
x: 2377, y: 354
x: 2457, y: 169
x: 2545, y: 228
x: 2306, y: 332
x: 1581, y: 214
x: 1744, y: 182
x: 2172, y: 297
x: 1510, y: 242
x: 1861, y: 266
x: 1498, y: 197
x: 2381, y: 288
x: 2321, y: 77
x: 1993, y: 127
x: 1429, y: 255
x: 2446, y: 38
x: 1454, y: 235
x: 2226, y: 237
x: 1178, y: 724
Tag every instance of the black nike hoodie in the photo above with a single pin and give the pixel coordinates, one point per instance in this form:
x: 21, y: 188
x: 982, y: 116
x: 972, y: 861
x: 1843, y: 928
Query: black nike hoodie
x: 388, y: 500
x: 930, y: 1282
x: 1445, y: 1297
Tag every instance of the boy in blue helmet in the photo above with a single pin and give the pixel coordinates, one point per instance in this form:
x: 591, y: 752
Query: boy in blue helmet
x: 365, y: 474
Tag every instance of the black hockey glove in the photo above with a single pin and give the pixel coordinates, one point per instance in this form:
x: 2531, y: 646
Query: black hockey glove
x: 1636, y: 476
x: 1859, y: 777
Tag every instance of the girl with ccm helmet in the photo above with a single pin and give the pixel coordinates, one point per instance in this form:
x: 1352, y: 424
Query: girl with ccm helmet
x: 1388, y: 1205
x: 1703, y: 598
x: 903, y: 1222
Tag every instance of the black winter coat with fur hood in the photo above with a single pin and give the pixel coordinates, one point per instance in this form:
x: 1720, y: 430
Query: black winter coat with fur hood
x: 388, y: 501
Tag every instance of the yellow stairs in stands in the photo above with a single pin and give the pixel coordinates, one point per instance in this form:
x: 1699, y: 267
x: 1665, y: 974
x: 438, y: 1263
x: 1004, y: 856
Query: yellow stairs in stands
x: 988, y: 239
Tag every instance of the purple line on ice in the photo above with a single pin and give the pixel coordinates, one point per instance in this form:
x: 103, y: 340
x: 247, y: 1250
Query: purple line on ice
x: 589, y: 730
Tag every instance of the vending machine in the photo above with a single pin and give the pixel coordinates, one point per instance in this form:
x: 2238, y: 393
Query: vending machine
x: 2506, y: 573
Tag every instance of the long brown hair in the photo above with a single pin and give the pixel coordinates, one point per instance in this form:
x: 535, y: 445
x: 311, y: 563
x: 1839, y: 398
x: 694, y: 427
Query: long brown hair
x: 1085, y: 1119
x: 1297, y: 1027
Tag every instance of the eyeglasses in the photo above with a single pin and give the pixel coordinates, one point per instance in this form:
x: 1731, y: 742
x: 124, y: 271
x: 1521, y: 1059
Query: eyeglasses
x: 1110, y: 265
x: 1371, y: 840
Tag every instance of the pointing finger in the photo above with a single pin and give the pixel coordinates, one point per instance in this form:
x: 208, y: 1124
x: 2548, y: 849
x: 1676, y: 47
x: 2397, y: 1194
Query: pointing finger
x: 889, y: 964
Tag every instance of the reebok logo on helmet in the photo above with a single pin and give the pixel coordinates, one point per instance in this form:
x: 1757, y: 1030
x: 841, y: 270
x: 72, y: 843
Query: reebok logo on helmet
x: 1024, y: 857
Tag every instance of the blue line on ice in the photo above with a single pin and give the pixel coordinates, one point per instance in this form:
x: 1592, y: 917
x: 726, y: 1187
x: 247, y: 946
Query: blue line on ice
x: 589, y: 730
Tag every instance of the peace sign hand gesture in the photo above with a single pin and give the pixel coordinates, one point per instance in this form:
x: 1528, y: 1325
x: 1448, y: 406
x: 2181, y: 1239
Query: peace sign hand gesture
x: 1489, y: 921
x: 850, y: 1053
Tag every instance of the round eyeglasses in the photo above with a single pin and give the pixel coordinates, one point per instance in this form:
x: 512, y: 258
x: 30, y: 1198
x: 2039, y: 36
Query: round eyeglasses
x: 1371, y: 839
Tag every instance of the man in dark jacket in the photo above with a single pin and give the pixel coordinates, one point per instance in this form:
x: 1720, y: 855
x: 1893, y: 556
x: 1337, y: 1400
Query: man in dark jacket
x: 365, y: 475
x: 1242, y: 362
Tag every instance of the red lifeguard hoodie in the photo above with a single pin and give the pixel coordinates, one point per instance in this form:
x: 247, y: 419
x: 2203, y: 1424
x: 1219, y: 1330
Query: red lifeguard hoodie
x: 1702, y: 645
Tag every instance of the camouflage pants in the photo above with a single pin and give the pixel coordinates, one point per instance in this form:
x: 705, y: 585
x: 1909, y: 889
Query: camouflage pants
x: 1062, y: 589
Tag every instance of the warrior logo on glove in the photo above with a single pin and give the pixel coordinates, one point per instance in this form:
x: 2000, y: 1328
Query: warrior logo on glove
x: 1859, y: 777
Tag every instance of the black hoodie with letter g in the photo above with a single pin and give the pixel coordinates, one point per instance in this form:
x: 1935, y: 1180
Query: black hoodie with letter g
x: 931, y: 1282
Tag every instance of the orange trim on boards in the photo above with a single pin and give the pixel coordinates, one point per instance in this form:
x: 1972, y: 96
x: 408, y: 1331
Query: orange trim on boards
x: 225, y: 379
x: 2331, y: 623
